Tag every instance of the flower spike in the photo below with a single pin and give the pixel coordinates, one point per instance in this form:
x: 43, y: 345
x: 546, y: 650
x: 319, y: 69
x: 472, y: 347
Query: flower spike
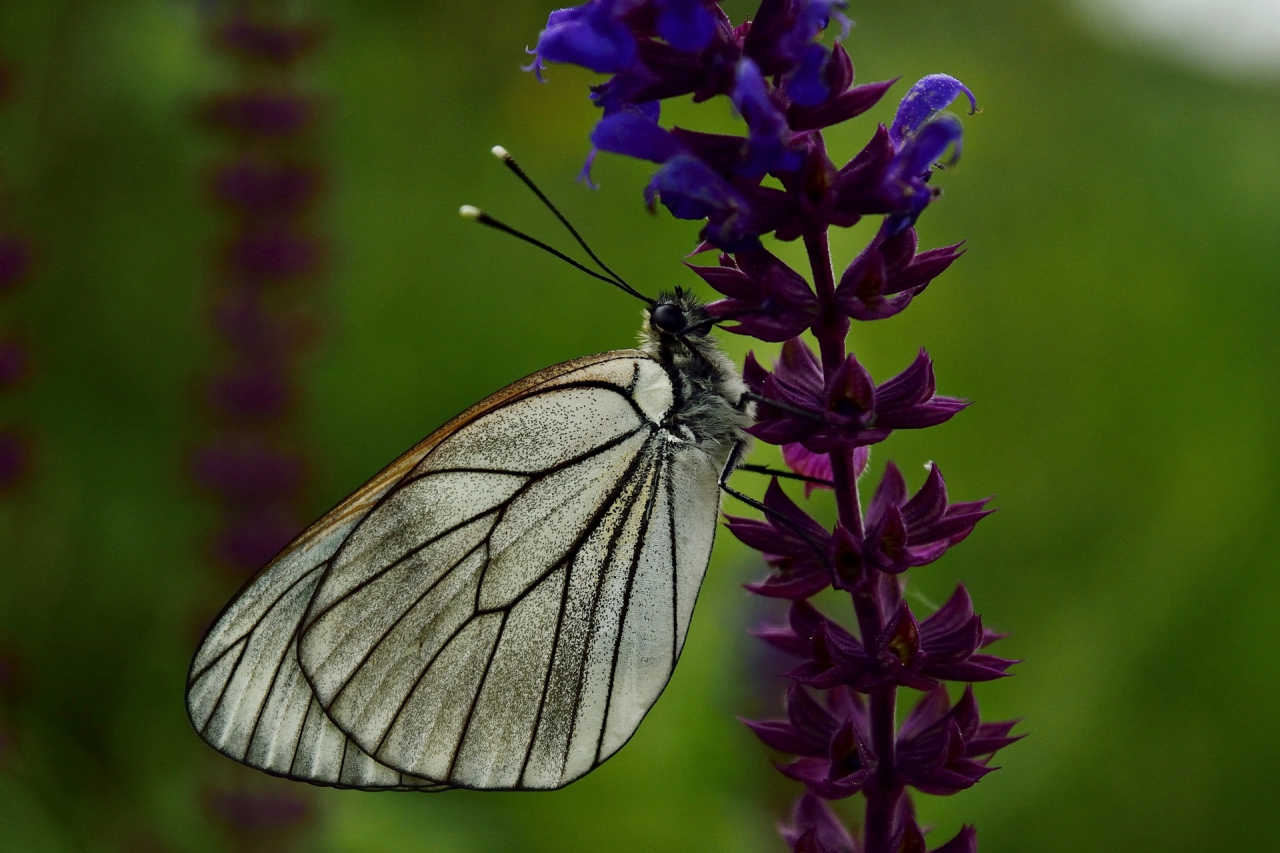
x: 789, y: 76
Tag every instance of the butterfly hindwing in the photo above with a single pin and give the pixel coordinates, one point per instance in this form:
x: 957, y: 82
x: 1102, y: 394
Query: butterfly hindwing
x: 509, y: 610
x: 246, y: 694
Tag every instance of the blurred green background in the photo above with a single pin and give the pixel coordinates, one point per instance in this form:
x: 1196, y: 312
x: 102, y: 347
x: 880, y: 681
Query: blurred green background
x: 1114, y: 319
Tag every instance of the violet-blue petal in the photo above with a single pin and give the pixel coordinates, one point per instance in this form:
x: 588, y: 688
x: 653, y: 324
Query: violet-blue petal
x: 589, y: 35
x: 768, y: 148
x: 584, y: 174
x: 691, y: 190
x: 686, y: 25
x: 924, y: 100
x: 635, y: 135
x: 816, y: 15
x: 926, y: 148
x: 807, y: 85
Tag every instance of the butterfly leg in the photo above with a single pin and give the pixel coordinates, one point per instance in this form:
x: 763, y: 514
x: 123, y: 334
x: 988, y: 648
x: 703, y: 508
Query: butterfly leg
x: 735, y: 456
x: 789, y: 475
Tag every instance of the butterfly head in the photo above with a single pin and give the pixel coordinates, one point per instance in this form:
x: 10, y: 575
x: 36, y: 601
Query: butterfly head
x: 677, y: 315
x: 708, y: 388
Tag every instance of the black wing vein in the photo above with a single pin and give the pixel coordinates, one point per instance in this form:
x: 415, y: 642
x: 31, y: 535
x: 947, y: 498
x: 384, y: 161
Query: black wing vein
x: 626, y: 602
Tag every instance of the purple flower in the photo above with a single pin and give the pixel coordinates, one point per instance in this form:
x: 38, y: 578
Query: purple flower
x: 815, y: 829
x: 818, y: 465
x: 908, y: 837
x: 258, y: 335
x: 921, y: 135
x: 783, y: 32
x: 256, y: 812
x: 250, y: 538
x: 787, y: 86
x: 252, y: 391
x: 768, y: 145
x: 274, y: 254
x: 591, y: 35
x: 884, y: 278
x: 793, y: 544
x: 15, y: 260
x: 928, y: 97
x: 664, y: 71
x: 901, y: 533
x: 940, y: 749
x: 845, y: 408
x: 266, y: 190
x: 686, y: 25
x: 943, y: 749
x: 634, y: 132
x: 261, y: 114
x: 15, y: 457
x: 268, y: 42
x: 846, y: 104
x: 15, y: 363
x: 833, y: 742
x: 247, y: 473
x: 692, y: 190
x: 906, y: 653
x: 796, y: 638
x: 950, y: 639
x: 766, y: 298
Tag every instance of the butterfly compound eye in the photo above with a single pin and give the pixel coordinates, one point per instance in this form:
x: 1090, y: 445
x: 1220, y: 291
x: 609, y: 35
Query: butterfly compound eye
x: 669, y: 318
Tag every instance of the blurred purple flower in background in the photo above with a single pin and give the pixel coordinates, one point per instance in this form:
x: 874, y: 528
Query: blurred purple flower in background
x: 252, y: 461
x: 262, y: 286
x: 15, y: 355
x: 11, y: 684
x: 788, y: 76
x: 15, y: 443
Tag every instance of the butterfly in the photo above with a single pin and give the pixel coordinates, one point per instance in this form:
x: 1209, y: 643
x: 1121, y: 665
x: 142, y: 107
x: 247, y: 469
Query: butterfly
x: 499, y: 608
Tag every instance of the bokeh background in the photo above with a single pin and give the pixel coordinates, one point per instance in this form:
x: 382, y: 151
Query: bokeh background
x: 1114, y: 319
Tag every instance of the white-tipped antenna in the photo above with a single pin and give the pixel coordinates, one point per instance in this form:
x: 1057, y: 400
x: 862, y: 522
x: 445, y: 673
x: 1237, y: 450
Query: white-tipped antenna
x: 612, y: 277
x: 475, y: 214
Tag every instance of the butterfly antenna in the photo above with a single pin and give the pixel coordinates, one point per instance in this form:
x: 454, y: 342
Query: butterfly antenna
x: 510, y: 162
x: 475, y: 214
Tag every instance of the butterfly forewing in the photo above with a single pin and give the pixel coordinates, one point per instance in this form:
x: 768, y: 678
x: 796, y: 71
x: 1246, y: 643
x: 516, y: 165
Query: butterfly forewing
x: 510, y: 610
x: 246, y: 695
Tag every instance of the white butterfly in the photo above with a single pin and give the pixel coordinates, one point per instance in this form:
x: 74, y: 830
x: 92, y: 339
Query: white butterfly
x: 501, y: 606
